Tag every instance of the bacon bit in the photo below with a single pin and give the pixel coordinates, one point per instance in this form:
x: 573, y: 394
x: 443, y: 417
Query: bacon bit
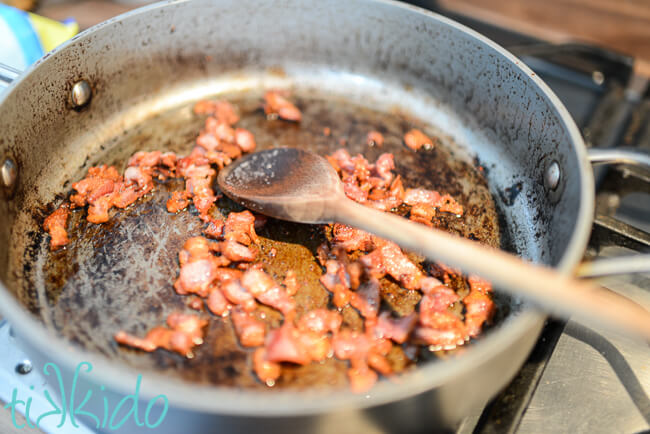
x: 222, y: 110
x: 283, y: 345
x: 290, y: 283
x: 436, y: 300
x: 55, y: 225
x: 479, y: 308
x: 415, y: 139
x: 185, y: 332
x: 217, y: 303
x: 316, y: 346
x: 321, y: 321
x: 266, y: 291
x: 450, y: 205
x: 268, y: 372
x: 178, y: 202
x: 350, y: 238
x: 361, y: 377
x: 375, y: 138
x: 214, y: 228
x: 350, y: 345
x: 443, y: 321
x: 383, y: 168
x: 419, y: 196
x: 240, y: 227
x: 249, y: 329
x: 389, y: 257
x: 336, y: 281
x: 366, y: 299
x: 478, y: 284
x: 327, y: 131
x: 277, y: 104
x: 245, y: 140
x: 237, y: 252
x: 397, y: 329
x: 226, y: 274
x: 238, y: 295
x: 423, y: 214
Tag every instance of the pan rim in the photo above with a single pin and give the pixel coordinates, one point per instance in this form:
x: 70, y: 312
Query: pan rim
x: 253, y: 403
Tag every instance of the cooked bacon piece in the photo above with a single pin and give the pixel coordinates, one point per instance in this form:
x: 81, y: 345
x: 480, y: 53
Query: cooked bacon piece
x: 226, y: 274
x: 415, y: 139
x: 397, y: 329
x: 437, y: 299
x: 266, y: 291
x: 217, y: 303
x: 99, y: 182
x: 366, y: 299
x: 350, y: 345
x: 55, y: 225
x: 221, y: 110
x: 336, y: 281
x: 361, y: 377
x: 185, y: 332
x: 479, y: 308
x: 240, y: 227
x: 448, y: 204
x: 266, y: 371
x: 375, y: 138
x: 245, y: 140
x: 195, y: 248
x: 147, y: 344
x: 124, y: 194
x: 321, y: 321
x: 237, y: 252
x: 237, y: 294
x: 428, y: 283
x: 419, y: 196
x: 275, y: 103
x: 196, y: 277
x: 384, y: 166
x: 390, y: 199
x: 315, y: 345
x: 214, y: 228
x: 389, y: 258
x: 422, y: 213
x: 145, y: 159
x: 354, y: 192
x: 283, y: 345
x: 350, y: 238
x: 445, y: 331
x: 327, y: 131
x: 290, y: 283
x: 249, y: 329
x: 198, y: 183
x: 178, y: 202
x: 478, y: 284
x: 98, y: 209
x: 379, y: 363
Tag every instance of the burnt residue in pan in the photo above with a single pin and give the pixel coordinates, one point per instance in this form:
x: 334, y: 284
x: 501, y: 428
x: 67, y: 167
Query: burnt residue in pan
x: 119, y: 275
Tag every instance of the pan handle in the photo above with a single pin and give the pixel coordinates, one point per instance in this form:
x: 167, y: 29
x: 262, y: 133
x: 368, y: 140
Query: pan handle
x: 626, y: 264
x: 7, y: 75
x: 633, y: 156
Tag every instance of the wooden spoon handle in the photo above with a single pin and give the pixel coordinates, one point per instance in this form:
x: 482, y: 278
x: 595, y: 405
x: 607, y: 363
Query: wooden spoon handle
x: 562, y: 295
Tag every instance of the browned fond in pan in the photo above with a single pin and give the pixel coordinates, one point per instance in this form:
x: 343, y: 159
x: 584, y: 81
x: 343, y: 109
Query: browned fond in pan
x: 119, y: 275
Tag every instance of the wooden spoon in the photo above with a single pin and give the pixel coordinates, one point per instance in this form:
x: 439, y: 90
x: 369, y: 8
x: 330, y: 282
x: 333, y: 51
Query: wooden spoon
x: 300, y: 186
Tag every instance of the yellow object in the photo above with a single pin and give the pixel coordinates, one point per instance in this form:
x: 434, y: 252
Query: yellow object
x: 52, y: 33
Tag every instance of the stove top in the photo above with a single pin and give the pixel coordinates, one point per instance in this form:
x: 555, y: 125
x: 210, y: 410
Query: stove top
x: 577, y: 379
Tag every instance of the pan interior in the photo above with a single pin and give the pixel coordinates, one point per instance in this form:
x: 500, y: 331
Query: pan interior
x: 119, y: 275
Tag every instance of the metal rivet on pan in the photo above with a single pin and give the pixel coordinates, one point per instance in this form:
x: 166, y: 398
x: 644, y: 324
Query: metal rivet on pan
x: 24, y: 367
x: 81, y: 93
x: 552, y: 176
x: 598, y: 77
x: 9, y: 173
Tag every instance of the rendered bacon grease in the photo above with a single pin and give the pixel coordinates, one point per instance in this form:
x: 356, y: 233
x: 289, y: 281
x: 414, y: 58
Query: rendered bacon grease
x: 223, y: 271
